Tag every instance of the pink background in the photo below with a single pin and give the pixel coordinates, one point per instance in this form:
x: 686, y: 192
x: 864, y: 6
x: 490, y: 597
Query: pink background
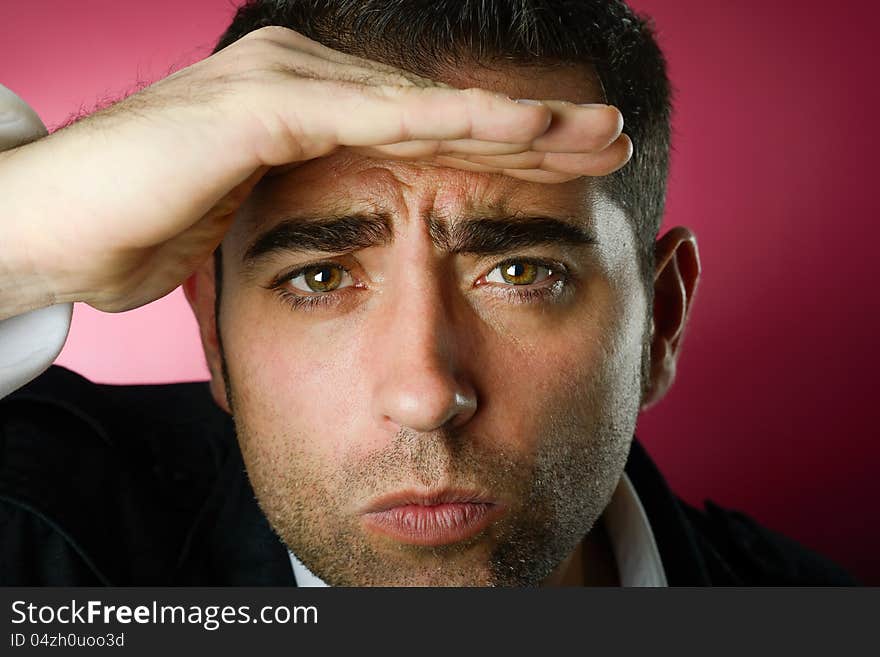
x: 773, y: 169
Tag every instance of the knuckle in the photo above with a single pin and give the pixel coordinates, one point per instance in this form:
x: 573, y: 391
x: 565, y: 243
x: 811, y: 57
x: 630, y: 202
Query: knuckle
x: 617, y: 119
x: 474, y: 94
x: 247, y: 53
x: 401, y: 80
x: 370, y: 79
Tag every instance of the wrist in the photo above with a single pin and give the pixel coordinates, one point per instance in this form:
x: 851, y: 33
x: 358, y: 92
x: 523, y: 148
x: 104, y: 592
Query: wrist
x: 24, y: 284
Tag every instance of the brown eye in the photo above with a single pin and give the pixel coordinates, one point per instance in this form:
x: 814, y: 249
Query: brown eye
x: 321, y: 279
x: 518, y: 272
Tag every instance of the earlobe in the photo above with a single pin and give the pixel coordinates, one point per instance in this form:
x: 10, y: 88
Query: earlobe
x: 676, y: 275
x: 199, y: 290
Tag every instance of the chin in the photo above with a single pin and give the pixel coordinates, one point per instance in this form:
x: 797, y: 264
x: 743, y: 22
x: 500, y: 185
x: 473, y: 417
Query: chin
x: 401, y: 565
x: 440, y: 577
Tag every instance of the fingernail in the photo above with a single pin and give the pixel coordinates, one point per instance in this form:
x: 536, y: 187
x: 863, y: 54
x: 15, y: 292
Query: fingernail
x: 594, y: 105
x: 528, y: 101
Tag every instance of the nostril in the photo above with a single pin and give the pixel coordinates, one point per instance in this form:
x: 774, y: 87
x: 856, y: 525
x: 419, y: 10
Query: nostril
x: 425, y: 407
x: 390, y: 425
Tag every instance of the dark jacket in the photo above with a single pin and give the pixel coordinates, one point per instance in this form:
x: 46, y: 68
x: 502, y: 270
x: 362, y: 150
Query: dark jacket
x: 145, y: 485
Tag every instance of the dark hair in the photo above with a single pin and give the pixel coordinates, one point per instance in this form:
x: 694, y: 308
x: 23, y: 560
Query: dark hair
x: 429, y: 36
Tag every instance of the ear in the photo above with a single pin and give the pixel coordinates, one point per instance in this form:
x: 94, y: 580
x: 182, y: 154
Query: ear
x: 676, y: 274
x: 200, y: 292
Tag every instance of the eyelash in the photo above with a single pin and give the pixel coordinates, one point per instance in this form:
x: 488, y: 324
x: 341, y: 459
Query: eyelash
x: 527, y: 294
x: 512, y: 294
x: 304, y: 301
x: 298, y: 302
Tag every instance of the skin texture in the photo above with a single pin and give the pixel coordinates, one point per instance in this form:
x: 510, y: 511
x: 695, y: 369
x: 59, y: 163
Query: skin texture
x: 422, y: 374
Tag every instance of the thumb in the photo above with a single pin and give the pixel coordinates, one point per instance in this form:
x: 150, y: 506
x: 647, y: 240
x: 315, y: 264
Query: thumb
x: 19, y: 124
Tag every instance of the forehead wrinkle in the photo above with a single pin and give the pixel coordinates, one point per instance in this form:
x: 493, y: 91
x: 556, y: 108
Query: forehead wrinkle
x: 463, y: 196
x: 438, y: 230
x: 441, y: 200
x: 304, y: 191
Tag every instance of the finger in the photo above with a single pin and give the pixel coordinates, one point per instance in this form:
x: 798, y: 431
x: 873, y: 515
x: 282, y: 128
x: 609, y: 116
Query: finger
x: 530, y: 175
x: 577, y: 164
x: 476, y: 147
x: 444, y: 114
x: 357, y: 115
x: 568, y: 158
x: 423, y: 149
x: 602, y: 163
x: 579, y: 128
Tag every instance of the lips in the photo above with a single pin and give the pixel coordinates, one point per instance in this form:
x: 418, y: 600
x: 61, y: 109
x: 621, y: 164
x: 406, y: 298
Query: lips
x: 431, y: 519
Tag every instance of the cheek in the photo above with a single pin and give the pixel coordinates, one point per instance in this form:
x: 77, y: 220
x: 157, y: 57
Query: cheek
x: 561, y: 372
x: 294, y: 381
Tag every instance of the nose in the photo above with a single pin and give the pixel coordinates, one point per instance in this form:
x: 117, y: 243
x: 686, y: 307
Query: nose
x: 419, y: 349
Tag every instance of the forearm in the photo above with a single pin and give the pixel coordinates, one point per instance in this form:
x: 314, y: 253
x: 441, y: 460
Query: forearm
x: 23, y: 286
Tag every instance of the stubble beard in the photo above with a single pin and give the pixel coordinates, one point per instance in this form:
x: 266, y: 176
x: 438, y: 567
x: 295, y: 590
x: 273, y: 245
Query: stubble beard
x: 558, y: 495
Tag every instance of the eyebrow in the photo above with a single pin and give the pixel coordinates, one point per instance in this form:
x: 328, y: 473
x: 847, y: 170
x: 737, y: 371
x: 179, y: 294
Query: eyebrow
x: 327, y: 235
x: 504, y: 234
x: 347, y: 233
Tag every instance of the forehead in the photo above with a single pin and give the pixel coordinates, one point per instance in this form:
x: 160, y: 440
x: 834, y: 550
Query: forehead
x: 346, y: 181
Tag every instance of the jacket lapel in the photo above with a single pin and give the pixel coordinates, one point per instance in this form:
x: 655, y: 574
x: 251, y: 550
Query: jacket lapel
x: 231, y: 542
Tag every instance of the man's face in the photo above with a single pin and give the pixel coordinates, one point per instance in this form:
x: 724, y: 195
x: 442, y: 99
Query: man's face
x: 394, y: 332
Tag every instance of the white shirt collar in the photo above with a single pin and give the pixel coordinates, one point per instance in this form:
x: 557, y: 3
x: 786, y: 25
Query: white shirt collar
x: 630, y: 534
x: 304, y: 576
x: 632, y: 539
